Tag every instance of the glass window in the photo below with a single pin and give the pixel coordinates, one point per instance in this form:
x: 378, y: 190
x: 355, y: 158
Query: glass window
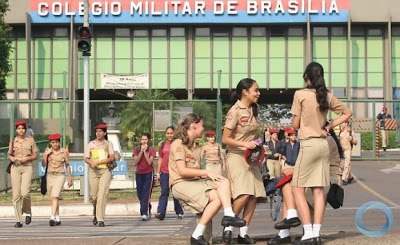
x: 41, y: 32
x: 396, y: 30
x: 122, y: 32
x: 276, y: 32
x: 320, y: 31
x: 357, y: 31
x: 258, y: 32
x: 357, y: 93
x: 339, y: 92
x: 159, y: 32
x: 375, y: 93
x: 103, y: 31
x: 221, y: 32
x: 60, y: 32
x: 338, y: 31
x: 295, y: 31
x: 140, y: 33
x: 203, y: 32
x: 239, y: 32
x: 177, y: 32
x: 375, y: 32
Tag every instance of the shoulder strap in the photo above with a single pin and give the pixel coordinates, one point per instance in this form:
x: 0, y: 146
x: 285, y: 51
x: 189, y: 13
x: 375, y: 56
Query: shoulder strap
x: 162, y: 145
x: 12, y: 146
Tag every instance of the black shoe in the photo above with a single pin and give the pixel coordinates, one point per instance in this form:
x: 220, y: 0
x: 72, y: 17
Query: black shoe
x: 309, y: 241
x: 199, y: 241
x: 28, y: 220
x: 101, y: 224
x: 232, y: 221
x: 227, y: 236
x: 288, y: 223
x: 350, y: 180
x: 95, y: 220
x: 279, y: 240
x: 318, y: 240
x: 18, y: 225
x: 159, y: 216
x: 51, y: 222
x: 245, y: 240
x: 384, y: 148
x: 345, y: 182
x: 58, y: 223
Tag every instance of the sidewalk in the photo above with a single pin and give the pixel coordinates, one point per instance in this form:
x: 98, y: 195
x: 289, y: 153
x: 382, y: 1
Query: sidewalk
x: 123, y: 209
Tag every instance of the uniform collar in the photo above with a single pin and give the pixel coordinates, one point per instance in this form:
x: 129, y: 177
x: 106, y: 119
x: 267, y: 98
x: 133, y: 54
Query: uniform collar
x: 242, y: 106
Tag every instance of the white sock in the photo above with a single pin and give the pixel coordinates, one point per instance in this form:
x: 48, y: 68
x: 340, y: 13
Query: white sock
x: 291, y: 213
x: 308, y: 232
x: 229, y: 228
x: 57, y: 218
x: 229, y: 212
x: 243, y: 231
x: 316, y: 228
x: 284, y: 233
x: 52, y: 217
x: 198, y: 231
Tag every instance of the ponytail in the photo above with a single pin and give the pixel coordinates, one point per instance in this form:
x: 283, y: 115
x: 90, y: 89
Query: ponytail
x: 315, y: 73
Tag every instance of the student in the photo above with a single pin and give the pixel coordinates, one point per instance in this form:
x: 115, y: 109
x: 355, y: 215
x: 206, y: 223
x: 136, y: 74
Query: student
x: 309, y: 109
x: 273, y: 155
x: 55, y: 159
x: 384, y: 133
x: 99, y: 153
x: 201, y: 189
x: 239, y: 134
x: 163, y: 177
x: 144, y: 156
x: 212, y: 152
x: 22, y: 152
x: 347, y: 140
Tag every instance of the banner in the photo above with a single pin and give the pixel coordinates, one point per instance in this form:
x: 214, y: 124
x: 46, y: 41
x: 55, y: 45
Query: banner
x: 191, y: 11
x: 124, y: 82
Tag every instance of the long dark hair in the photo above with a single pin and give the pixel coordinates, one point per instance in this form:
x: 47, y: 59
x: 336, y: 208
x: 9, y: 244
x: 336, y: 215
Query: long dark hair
x: 315, y: 73
x: 245, y: 83
x: 181, y: 130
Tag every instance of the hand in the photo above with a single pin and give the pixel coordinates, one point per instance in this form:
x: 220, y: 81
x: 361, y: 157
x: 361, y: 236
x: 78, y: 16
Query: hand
x: 327, y: 128
x: 224, y: 167
x: 69, y: 181
x: 143, y: 148
x: 158, y: 177
x: 287, y: 171
x: 48, y: 151
x: 23, y: 160
x: 13, y: 159
x: 94, y: 164
x: 250, y: 144
x: 215, y: 177
x: 276, y: 155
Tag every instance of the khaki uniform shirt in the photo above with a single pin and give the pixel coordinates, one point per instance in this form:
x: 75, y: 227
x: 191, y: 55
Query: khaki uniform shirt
x: 243, y: 124
x: 213, y: 152
x: 345, y: 139
x: 312, y: 120
x: 105, y: 144
x: 23, y: 148
x: 56, y: 161
x: 178, y: 152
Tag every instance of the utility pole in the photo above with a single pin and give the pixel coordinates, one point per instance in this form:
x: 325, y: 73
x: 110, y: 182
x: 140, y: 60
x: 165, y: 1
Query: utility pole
x: 86, y: 98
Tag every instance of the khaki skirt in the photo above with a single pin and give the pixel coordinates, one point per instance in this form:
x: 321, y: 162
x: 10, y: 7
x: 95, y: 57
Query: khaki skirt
x: 312, y: 165
x: 193, y: 193
x: 214, y: 167
x: 55, y: 183
x: 245, y: 180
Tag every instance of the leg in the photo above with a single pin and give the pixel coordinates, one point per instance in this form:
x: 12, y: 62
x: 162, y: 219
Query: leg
x: 277, y: 169
x: 16, y: 178
x: 54, y: 206
x: 384, y: 138
x: 145, y: 205
x: 104, y: 186
x: 163, y: 200
x: 346, y: 170
x: 177, y: 207
x: 139, y: 189
x: 301, y: 204
x: 319, y: 204
x: 25, y: 189
x: 94, y: 189
x: 249, y: 208
x: 270, y: 166
x: 212, y: 208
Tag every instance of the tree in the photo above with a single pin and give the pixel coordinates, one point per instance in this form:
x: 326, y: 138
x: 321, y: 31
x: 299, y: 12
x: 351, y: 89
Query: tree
x: 275, y: 112
x: 5, y: 48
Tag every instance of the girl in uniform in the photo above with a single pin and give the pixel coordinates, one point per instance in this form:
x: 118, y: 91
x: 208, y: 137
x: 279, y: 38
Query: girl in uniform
x: 309, y: 109
x: 239, y: 132
x: 212, y: 151
x: 347, y: 141
x: 22, y: 152
x: 144, y: 156
x: 55, y: 158
x: 163, y: 177
x: 99, y: 153
x: 201, y: 189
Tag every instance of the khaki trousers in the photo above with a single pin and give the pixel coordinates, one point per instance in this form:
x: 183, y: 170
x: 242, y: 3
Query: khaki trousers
x: 274, y: 168
x: 347, y: 165
x: 21, y: 176
x: 385, y: 138
x: 99, y: 180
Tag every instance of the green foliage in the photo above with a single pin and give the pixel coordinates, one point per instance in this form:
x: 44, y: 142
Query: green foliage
x: 367, y: 144
x: 5, y: 48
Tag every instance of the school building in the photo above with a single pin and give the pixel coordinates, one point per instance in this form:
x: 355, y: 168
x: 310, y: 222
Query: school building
x: 189, y: 47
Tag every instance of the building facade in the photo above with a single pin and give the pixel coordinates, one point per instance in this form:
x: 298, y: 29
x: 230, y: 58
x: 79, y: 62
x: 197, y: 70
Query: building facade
x: 189, y: 47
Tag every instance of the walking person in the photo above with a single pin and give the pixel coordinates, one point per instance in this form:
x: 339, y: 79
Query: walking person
x: 384, y: 133
x: 144, y: 156
x: 22, y: 152
x: 55, y: 159
x: 274, y: 155
x: 212, y: 152
x: 201, y: 189
x: 347, y: 140
x: 239, y: 134
x: 309, y: 109
x: 100, y: 152
x: 163, y: 177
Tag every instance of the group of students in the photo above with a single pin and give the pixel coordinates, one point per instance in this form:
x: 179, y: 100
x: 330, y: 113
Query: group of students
x: 205, y: 190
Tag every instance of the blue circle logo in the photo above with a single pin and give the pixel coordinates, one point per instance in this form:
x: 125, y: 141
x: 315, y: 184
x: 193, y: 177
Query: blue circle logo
x: 374, y: 205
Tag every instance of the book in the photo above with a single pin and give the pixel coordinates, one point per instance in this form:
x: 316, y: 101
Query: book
x: 99, y: 155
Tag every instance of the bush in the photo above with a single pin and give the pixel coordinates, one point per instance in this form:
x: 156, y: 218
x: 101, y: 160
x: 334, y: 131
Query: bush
x: 367, y: 144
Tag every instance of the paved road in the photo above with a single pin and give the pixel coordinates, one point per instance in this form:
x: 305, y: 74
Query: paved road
x: 338, y: 226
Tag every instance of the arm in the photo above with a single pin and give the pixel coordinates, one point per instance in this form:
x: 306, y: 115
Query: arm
x: 10, y: 154
x: 149, y: 158
x: 222, y: 156
x: 137, y: 155
x: 228, y: 140
x: 296, y: 121
x: 347, y: 113
x: 46, y: 156
x: 68, y: 171
x: 190, y: 173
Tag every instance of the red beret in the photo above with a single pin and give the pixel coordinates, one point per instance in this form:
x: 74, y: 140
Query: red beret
x: 54, y: 137
x: 101, y: 126
x: 22, y: 122
x: 211, y: 133
x: 291, y: 132
x: 273, y: 130
x: 287, y: 129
